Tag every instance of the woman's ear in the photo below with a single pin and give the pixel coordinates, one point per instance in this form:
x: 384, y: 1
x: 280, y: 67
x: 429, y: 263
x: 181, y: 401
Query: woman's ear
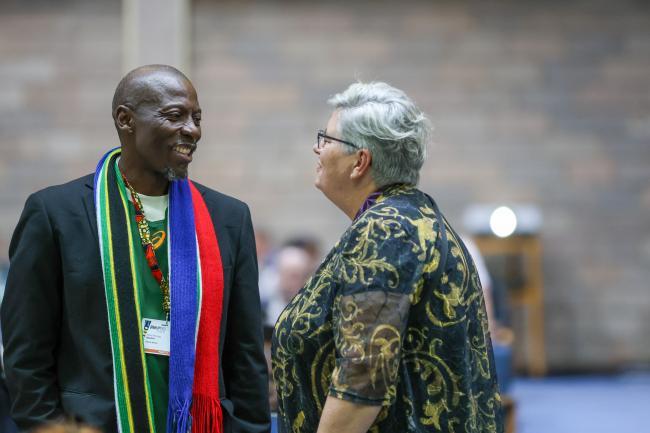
x: 362, y: 164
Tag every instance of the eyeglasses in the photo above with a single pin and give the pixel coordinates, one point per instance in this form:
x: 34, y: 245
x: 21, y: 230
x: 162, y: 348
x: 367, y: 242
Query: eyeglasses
x: 321, y: 138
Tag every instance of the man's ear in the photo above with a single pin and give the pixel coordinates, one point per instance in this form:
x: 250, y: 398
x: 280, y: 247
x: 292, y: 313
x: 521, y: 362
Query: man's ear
x: 124, y: 119
x: 362, y: 164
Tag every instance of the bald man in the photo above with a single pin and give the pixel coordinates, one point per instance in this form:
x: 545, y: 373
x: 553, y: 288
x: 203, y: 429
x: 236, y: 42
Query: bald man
x: 131, y: 299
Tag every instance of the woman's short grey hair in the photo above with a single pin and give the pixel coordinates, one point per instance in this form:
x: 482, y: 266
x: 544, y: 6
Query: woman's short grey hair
x: 382, y: 119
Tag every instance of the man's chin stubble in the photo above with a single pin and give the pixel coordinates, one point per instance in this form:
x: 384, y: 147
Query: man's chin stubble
x: 171, y: 174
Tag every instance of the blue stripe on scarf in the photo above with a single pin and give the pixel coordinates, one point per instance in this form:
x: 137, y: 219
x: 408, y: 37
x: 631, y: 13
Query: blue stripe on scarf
x: 183, y: 286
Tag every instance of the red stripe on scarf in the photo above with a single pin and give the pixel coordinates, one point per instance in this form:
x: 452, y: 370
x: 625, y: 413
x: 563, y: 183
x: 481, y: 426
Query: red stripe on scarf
x: 206, y: 407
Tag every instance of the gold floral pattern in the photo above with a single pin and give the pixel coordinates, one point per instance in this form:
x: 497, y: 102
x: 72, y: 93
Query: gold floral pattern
x: 378, y: 324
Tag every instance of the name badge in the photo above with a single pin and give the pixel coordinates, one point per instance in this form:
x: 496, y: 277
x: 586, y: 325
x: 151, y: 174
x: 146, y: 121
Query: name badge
x: 156, y: 336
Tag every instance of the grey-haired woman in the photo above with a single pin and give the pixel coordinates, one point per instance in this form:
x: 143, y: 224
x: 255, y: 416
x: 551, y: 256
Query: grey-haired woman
x: 390, y: 334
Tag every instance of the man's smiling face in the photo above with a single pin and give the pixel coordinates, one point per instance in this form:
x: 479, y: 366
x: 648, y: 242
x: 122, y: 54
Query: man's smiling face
x: 167, y: 127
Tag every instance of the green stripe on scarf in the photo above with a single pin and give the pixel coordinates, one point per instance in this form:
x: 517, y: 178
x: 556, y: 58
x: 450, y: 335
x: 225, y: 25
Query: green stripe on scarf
x: 132, y: 394
x: 134, y: 245
x: 124, y: 414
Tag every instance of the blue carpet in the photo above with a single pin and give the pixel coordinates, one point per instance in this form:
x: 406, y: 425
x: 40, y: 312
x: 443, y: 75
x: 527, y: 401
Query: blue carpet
x: 615, y: 404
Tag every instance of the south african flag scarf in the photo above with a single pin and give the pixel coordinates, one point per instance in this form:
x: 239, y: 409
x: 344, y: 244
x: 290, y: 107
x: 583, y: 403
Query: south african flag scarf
x: 194, y: 268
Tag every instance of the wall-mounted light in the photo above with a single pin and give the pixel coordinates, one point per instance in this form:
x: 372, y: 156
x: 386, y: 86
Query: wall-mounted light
x: 502, y: 220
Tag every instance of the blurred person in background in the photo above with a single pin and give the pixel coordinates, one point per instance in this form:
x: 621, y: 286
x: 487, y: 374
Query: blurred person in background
x: 132, y: 298
x: 391, y: 333
x: 293, y: 266
x: 285, y: 271
x: 271, y: 296
x: 310, y: 245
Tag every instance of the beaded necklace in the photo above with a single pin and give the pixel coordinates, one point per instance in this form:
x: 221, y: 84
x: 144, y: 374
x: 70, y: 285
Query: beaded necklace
x: 147, y: 246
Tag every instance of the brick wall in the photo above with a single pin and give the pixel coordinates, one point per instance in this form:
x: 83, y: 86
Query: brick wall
x: 538, y: 102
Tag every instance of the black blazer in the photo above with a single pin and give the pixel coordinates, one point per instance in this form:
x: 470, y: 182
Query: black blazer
x: 55, y: 324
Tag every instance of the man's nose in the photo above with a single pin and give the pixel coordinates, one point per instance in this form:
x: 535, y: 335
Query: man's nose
x: 191, y: 129
x: 315, y: 149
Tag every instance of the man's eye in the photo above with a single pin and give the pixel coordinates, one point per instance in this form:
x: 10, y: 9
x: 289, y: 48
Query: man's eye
x: 197, y: 120
x: 174, y: 115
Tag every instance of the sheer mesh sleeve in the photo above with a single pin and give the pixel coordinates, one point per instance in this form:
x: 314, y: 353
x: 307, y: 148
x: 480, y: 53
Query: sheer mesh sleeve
x: 368, y: 339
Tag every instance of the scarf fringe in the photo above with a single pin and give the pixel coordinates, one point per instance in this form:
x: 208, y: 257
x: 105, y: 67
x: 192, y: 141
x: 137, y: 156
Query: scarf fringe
x: 179, y: 419
x: 207, y: 416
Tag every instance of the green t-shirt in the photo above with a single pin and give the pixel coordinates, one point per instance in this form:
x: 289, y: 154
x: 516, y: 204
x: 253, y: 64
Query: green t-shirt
x: 151, y: 307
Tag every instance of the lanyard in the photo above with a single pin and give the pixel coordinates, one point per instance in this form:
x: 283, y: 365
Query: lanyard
x: 147, y: 246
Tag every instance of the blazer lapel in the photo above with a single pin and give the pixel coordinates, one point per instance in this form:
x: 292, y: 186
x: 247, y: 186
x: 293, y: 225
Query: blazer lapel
x: 89, y: 205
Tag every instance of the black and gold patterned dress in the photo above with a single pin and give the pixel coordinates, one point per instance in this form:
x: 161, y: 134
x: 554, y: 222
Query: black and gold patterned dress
x: 380, y: 324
